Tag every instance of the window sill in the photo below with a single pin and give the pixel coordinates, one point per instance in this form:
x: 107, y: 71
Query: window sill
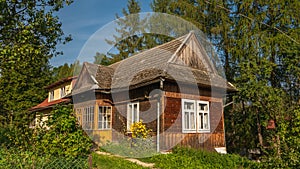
x: 103, y: 129
x: 193, y: 131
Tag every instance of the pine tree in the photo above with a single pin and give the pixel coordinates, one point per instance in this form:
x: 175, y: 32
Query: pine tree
x: 130, y: 29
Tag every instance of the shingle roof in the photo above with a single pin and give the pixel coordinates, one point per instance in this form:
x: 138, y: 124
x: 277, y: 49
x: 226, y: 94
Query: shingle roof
x: 182, y: 60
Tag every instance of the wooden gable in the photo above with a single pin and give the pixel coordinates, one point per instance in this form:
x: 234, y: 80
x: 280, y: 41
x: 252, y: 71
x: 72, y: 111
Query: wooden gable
x: 191, y: 53
x: 86, y: 79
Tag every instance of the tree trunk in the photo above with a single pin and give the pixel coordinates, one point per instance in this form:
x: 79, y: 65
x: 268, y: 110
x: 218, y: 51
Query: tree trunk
x: 259, y: 132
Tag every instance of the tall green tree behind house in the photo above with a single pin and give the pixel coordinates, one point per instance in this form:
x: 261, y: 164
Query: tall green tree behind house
x: 29, y: 33
x: 258, y: 42
x: 130, y: 30
x: 207, y: 17
x: 266, y: 53
x: 66, y: 70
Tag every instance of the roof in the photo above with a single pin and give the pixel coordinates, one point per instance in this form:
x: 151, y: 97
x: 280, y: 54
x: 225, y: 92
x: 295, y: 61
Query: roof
x: 46, y: 104
x: 61, y: 81
x: 183, y: 59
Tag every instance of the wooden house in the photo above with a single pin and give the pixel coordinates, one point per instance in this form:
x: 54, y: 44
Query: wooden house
x: 57, y: 93
x: 173, y: 88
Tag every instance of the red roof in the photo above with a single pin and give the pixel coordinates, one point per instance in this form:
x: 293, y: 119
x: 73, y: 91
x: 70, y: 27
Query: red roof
x: 45, y: 104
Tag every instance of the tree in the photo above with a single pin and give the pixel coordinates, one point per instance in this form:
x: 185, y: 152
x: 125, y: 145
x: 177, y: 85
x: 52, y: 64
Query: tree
x: 29, y: 34
x: 66, y: 70
x: 101, y: 59
x: 258, y: 42
x: 131, y: 27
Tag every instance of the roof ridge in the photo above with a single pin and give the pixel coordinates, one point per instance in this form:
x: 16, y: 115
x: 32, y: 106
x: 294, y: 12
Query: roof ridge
x: 147, y: 50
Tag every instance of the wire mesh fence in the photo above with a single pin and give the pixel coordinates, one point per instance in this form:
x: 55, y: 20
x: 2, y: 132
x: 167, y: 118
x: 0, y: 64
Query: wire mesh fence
x: 12, y: 158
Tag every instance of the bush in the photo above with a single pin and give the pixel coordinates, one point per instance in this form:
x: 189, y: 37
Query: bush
x: 64, y: 137
x: 64, y: 142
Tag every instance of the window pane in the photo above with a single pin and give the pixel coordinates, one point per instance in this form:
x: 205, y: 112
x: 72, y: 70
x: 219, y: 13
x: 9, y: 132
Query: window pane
x: 186, y: 120
x: 200, y: 121
x: 129, y: 116
x: 202, y: 106
x: 193, y: 120
x: 188, y: 106
x: 135, y: 112
x: 205, y: 122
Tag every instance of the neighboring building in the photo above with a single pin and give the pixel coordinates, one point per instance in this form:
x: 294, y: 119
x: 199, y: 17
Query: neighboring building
x: 173, y: 88
x: 56, y: 95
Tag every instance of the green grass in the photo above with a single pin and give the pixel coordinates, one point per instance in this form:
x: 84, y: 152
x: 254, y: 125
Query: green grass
x: 180, y: 158
x: 191, y: 159
x: 109, y: 162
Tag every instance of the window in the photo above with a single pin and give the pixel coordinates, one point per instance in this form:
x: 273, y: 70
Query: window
x: 195, y: 116
x: 189, y: 115
x: 104, y: 117
x: 79, y: 114
x: 62, y: 91
x: 132, y: 114
x: 88, y: 118
x: 203, y: 116
x: 51, y: 95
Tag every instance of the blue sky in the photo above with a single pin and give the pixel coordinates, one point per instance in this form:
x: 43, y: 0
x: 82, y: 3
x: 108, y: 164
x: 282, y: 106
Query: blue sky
x: 82, y: 19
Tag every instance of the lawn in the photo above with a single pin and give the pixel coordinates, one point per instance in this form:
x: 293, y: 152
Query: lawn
x: 180, y: 158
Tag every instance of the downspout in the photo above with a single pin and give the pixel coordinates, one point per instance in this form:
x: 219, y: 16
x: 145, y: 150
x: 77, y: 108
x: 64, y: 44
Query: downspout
x: 228, y: 104
x: 161, y: 86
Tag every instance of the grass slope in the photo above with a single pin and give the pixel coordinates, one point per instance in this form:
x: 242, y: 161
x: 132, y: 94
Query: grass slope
x: 110, y: 162
x: 191, y: 159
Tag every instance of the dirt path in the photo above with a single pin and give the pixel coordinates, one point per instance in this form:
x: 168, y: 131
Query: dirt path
x: 149, y: 165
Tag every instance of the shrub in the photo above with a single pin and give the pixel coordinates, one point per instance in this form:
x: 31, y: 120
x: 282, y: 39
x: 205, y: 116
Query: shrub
x: 64, y: 137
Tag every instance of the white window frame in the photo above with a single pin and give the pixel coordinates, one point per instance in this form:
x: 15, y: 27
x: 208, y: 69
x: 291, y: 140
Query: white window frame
x: 131, y: 113
x: 88, y: 118
x: 104, y: 117
x: 189, y: 112
x: 195, y: 112
x: 203, y: 112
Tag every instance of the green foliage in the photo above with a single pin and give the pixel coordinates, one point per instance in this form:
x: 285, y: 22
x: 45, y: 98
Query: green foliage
x: 101, y: 59
x: 63, y: 143
x: 64, y: 137
x: 285, y: 147
x: 13, y: 158
x: 191, y: 158
x: 258, y: 42
x: 29, y: 33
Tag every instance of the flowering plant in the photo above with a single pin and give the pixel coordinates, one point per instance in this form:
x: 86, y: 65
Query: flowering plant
x: 139, y: 130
